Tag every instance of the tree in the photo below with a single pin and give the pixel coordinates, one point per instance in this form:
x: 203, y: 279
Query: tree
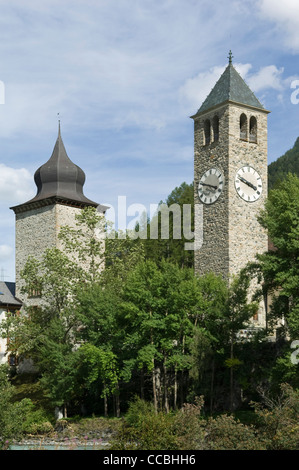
x: 156, y: 311
x: 279, y: 267
x: 171, y: 248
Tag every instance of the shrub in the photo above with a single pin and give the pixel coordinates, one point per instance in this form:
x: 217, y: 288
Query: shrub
x: 190, y: 426
x: 143, y: 429
x: 225, y: 433
x: 278, y: 419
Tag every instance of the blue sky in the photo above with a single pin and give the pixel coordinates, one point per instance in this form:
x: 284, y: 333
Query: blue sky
x: 125, y: 76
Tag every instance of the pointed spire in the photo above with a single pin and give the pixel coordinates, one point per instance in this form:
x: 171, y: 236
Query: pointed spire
x: 230, y: 87
x: 59, y: 177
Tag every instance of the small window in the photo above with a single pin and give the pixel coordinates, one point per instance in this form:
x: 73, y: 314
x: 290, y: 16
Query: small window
x: 207, y: 130
x: 253, y: 130
x: 243, y: 127
x: 216, y: 128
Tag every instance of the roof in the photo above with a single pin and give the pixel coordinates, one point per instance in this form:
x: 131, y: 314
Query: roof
x: 60, y: 178
x: 230, y: 87
x: 7, y: 294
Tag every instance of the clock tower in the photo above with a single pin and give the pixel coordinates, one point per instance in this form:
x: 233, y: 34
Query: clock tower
x: 230, y: 176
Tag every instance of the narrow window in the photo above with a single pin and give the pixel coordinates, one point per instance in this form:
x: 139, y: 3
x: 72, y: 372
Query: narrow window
x: 253, y: 130
x: 207, y: 129
x: 243, y: 127
x: 216, y: 128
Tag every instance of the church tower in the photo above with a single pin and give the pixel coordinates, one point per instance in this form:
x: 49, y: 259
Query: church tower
x: 59, y: 198
x: 230, y: 175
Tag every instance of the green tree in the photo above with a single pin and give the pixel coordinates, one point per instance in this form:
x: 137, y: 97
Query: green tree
x: 156, y: 310
x: 279, y: 266
x: 12, y: 415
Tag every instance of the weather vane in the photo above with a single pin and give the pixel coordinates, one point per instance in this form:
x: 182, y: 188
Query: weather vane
x: 230, y: 57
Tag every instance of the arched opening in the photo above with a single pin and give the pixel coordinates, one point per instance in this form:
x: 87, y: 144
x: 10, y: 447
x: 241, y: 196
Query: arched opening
x: 207, y: 130
x: 243, y: 126
x: 253, y: 129
x: 216, y: 128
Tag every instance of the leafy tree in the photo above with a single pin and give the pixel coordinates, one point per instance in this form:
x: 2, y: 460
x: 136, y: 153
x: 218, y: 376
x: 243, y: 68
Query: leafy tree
x: 280, y: 265
x: 12, y: 415
x: 171, y: 248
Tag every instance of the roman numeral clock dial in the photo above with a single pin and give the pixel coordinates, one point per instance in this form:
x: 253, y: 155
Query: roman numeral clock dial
x: 210, y: 186
x: 248, y: 184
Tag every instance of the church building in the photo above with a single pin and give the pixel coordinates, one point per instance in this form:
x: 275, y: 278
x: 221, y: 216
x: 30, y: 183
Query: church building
x: 230, y: 184
x: 230, y: 177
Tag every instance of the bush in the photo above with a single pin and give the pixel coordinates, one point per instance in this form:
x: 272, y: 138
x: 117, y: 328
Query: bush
x: 12, y: 415
x: 143, y: 429
x: 190, y: 426
x: 278, y: 420
x: 225, y: 433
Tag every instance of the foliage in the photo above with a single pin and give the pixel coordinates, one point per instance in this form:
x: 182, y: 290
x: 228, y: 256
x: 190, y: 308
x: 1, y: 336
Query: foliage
x: 171, y: 247
x: 287, y: 163
x: 155, y: 431
x: 279, y: 419
x: 280, y: 266
x: 226, y: 433
x: 12, y: 415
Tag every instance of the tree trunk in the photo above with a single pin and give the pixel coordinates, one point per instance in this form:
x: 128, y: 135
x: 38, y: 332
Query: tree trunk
x: 231, y: 375
x: 117, y: 401
x: 142, y: 384
x: 212, y: 386
x: 175, y: 391
x: 166, y: 402
x: 154, y: 387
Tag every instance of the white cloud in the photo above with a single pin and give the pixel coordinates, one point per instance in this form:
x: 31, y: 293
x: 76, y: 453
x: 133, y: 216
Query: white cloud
x: 15, y: 185
x: 286, y: 17
x: 5, y: 252
x: 269, y: 77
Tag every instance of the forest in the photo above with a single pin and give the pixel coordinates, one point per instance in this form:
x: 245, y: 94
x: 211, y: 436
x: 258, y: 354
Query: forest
x: 127, y: 329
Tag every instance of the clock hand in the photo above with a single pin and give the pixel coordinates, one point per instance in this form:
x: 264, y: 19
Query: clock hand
x: 209, y: 185
x: 247, y: 182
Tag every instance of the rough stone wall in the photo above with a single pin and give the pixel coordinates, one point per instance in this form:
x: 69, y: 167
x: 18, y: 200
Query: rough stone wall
x: 246, y: 236
x: 232, y: 235
x: 35, y: 232
x: 213, y: 256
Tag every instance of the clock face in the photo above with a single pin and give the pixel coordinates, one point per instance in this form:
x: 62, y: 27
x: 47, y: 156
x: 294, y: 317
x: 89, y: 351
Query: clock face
x: 248, y: 184
x: 210, y: 186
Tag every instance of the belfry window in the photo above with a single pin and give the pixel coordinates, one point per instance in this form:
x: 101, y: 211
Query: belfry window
x: 207, y: 131
x: 253, y: 130
x: 216, y: 128
x: 243, y: 127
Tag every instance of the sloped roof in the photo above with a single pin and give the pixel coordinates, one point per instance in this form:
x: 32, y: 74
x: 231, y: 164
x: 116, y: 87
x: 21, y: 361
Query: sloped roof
x: 230, y: 87
x: 7, y: 294
x: 60, y: 178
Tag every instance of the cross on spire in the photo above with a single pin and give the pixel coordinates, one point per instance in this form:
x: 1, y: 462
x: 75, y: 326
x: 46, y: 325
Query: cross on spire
x: 230, y: 57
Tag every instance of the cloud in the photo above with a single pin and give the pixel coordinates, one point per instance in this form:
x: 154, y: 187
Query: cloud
x: 285, y: 15
x: 15, y: 185
x: 5, y: 252
x: 270, y: 77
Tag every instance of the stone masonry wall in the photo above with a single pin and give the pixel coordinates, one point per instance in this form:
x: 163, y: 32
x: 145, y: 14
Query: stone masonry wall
x: 232, y: 235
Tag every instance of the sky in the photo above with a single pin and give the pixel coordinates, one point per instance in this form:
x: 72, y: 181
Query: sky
x: 124, y: 77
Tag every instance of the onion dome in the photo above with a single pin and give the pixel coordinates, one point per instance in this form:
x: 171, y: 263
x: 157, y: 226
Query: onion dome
x: 59, y: 180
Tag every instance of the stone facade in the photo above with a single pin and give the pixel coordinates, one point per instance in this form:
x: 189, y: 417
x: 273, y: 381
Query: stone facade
x: 37, y: 229
x: 232, y: 235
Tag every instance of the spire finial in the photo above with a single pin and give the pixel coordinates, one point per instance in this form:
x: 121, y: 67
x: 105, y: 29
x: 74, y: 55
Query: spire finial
x: 230, y: 57
x: 58, y: 124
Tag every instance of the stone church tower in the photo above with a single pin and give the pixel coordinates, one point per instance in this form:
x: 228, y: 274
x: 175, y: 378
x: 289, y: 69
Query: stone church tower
x: 59, y: 198
x: 230, y: 175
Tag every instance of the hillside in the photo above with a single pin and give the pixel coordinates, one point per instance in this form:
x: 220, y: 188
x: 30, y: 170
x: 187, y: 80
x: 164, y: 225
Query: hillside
x: 287, y: 163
